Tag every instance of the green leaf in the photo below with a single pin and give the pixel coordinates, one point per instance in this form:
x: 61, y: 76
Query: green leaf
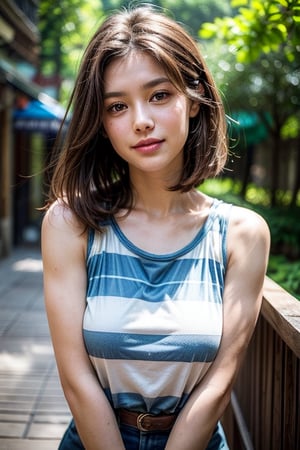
x: 289, y: 56
x: 243, y: 56
x: 257, y: 5
x: 291, y: 128
x: 248, y: 14
x: 208, y: 30
x: 283, y: 3
x: 238, y: 3
x: 282, y: 28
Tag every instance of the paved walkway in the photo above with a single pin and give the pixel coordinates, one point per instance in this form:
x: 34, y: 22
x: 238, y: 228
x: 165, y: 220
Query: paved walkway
x: 33, y: 411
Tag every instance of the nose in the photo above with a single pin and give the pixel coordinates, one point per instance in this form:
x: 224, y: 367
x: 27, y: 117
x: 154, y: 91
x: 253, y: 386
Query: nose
x: 143, y: 120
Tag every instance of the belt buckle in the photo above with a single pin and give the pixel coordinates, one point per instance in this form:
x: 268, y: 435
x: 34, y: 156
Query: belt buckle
x: 139, y: 421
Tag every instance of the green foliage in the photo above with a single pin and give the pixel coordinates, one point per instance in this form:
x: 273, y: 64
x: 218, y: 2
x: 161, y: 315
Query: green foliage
x: 260, y: 26
x: 258, y: 52
x: 190, y: 12
x: 285, y: 231
x: 263, y: 68
x: 65, y: 27
x: 268, y: 85
x: 291, y: 127
x: 285, y: 273
x: 260, y: 58
x: 284, y: 224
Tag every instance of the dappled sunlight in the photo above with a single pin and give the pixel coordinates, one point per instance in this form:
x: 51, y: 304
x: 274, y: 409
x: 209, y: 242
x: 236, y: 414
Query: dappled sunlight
x: 27, y: 358
x: 42, y: 349
x: 28, y: 265
x: 18, y: 364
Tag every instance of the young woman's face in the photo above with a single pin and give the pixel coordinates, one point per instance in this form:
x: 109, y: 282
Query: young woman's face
x: 145, y: 117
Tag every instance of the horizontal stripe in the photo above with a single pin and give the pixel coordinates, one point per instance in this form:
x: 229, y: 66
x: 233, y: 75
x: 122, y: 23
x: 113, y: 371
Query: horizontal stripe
x: 155, y: 272
x: 119, y: 276
x: 171, y: 316
x: 135, y: 402
x: 185, y: 348
x: 141, y: 376
x: 137, y: 289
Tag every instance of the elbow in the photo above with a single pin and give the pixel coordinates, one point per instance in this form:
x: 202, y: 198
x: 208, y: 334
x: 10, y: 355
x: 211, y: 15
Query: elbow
x: 219, y: 397
x: 222, y: 400
x: 80, y: 389
x: 71, y: 392
x: 225, y: 400
x: 75, y: 389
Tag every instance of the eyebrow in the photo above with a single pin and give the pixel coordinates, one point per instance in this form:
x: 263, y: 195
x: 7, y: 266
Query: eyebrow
x: 149, y: 84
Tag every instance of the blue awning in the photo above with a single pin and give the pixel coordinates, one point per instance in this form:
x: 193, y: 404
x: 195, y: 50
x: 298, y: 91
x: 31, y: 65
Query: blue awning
x: 38, y: 116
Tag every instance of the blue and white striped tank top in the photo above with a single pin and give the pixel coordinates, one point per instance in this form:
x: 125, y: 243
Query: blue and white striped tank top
x: 153, y: 323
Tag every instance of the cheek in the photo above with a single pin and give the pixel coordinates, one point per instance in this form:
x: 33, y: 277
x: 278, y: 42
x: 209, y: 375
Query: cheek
x: 116, y: 134
x: 114, y: 131
x: 179, y: 120
x: 181, y: 112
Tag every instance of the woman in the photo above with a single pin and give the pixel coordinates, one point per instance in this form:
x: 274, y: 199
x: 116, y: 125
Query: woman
x: 152, y: 288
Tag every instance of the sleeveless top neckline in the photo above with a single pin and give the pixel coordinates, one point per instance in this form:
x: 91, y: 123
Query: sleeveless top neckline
x: 172, y: 255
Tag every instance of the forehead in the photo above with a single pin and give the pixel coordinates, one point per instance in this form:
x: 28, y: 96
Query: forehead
x: 137, y: 67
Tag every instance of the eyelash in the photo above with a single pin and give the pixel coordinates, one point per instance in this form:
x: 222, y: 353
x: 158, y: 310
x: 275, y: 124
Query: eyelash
x: 164, y: 94
x: 119, y: 106
x: 114, y: 108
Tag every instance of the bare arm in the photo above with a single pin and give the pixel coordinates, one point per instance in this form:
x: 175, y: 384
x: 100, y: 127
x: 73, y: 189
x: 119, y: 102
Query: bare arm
x: 64, y: 252
x: 248, y: 249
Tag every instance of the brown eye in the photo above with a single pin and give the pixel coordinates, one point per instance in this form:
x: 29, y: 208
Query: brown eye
x: 116, y: 107
x: 160, y: 96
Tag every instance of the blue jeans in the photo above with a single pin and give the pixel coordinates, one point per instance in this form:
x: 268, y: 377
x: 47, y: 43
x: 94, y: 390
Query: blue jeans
x: 138, y: 440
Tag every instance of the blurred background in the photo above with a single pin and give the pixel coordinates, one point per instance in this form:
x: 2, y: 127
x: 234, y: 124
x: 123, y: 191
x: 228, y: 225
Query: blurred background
x: 253, y: 50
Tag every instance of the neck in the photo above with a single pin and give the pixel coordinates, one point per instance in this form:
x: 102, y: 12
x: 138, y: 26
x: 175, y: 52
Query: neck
x: 160, y: 203
x: 151, y: 195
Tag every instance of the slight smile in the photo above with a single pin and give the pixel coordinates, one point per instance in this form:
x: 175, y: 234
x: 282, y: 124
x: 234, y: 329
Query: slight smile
x: 148, y: 145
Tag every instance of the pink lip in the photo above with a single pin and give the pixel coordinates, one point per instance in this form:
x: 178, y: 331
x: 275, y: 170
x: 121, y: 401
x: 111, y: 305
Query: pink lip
x: 148, y: 145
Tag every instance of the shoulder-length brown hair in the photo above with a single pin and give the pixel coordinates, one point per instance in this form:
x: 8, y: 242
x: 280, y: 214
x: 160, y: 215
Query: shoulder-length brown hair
x: 89, y: 174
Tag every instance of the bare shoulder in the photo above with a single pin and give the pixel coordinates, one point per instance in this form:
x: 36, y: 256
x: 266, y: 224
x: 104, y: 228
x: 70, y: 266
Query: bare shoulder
x: 62, y: 233
x: 247, y: 223
x: 61, y: 218
x: 247, y: 229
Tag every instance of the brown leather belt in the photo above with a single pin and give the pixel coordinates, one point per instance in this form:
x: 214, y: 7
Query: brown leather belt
x: 145, y: 421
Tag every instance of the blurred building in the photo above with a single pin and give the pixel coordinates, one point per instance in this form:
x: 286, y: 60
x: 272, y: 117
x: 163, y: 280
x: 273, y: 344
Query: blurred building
x: 29, y: 121
x: 19, y: 50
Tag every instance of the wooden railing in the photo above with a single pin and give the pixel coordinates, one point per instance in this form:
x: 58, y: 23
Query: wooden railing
x: 264, y: 413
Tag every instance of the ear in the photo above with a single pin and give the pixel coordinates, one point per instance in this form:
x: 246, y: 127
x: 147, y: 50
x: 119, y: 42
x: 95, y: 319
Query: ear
x: 194, y: 109
x: 195, y: 106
